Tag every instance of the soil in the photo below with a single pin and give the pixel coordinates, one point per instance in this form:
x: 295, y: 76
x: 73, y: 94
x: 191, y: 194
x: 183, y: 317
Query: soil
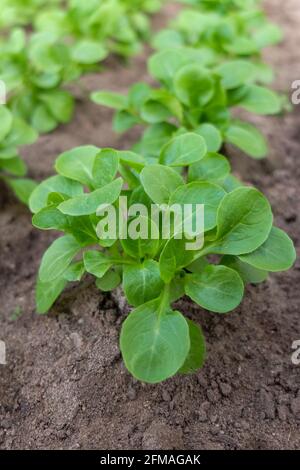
x: 65, y: 386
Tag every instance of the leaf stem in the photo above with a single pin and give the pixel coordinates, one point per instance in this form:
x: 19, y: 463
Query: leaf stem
x: 164, y: 300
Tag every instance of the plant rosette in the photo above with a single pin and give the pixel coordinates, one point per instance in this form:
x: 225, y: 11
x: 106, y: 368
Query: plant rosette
x: 156, y: 341
x: 193, y: 96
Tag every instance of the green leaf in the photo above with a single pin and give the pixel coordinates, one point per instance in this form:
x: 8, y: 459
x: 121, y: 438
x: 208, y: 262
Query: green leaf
x: 75, y: 272
x: 6, y: 121
x: 123, y: 121
x: 236, y: 73
x: 177, y: 288
x: 155, y: 137
x: 244, y: 222
x: 47, y: 292
x: 167, y: 38
x: 231, y: 183
x: 83, y: 229
x: 130, y: 176
x: 276, y: 254
x: 16, y: 166
x: 96, y: 263
x: 212, y: 167
x: 260, y: 100
x: 164, y: 64
x: 268, y: 35
x: 208, y: 194
x: 153, y: 112
x: 20, y: 134
x: 88, y: 52
x: 88, y: 203
x: 42, y: 120
x: 160, y: 182
x: 183, y: 150
x: 7, y: 153
x: 242, y: 45
x: 138, y: 94
x: 154, y: 345
x: 173, y: 258
x: 109, y: 99
x: 22, y: 188
x: 264, y: 73
x: 105, y: 167
x: 141, y: 247
x: 142, y: 282
x: 46, y: 54
x: 198, y: 265
x: 60, y: 104
x: 50, y: 218
x: 46, y: 80
x: 194, y: 85
x: 249, y: 274
x: 247, y: 138
x: 109, y: 281
x: 54, y: 184
x: 217, y: 288
x: 58, y: 257
x: 196, y: 356
x: 132, y: 159
x: 78, y: 163
x: 211, y: 135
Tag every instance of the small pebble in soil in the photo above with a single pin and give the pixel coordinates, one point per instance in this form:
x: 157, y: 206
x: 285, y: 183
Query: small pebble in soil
x: 213, y: 395
x: 266, y: 402
x: 282, y: 412
x: 131, y: 394
x: 201, y: 415
x: 225, y: 389
x: 166, y: 396
x: 77, y: 340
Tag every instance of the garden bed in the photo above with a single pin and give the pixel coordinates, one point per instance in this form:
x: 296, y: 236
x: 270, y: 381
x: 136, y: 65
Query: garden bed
x: 65, y: 386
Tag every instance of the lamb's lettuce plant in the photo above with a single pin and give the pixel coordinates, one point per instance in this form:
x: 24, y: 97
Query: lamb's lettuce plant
x: 69, y: 41
x: 224, y: 28
x: 195, y: 96
x: 157, y: 341
x: 34, y: 71
x: 66, y: 40
x: 14, y: 132
x: 21, y: 12
x: 111, y: 25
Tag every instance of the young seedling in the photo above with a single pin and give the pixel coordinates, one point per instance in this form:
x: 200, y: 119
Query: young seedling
x: 208, y: 64
x: 193, y: 96
x: 14, y: 132
x: 68, y: 40
x: 223, y: 28
x: 156, y: 341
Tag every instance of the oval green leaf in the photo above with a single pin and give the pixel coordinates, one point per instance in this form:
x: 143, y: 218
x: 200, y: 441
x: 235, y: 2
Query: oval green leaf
x: 217, y: 288
x: 183, y: 150
x: 154, y: 346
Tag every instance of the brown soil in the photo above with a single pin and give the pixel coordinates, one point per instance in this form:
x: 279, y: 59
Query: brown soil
x: 65, y: 386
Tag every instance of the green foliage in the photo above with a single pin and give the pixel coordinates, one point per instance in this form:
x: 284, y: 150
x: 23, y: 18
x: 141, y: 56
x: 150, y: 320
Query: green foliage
x: 14, y: 132
x: 156, y: 341
x: 63, y: 40
x: 195, y: 97
x: 225, y: 26
x: 207, y: 64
